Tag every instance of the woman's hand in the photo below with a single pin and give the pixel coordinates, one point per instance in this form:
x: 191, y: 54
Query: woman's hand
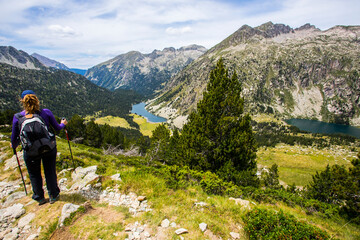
x: 64, y: 121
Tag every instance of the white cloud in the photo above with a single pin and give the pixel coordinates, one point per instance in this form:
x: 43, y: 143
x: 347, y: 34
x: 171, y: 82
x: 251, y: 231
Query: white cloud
x: 82, y: 33
x: 178, y: 31
x: 61, y: 31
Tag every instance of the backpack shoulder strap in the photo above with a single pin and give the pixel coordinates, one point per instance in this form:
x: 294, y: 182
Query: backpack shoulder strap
x: 37, y: 114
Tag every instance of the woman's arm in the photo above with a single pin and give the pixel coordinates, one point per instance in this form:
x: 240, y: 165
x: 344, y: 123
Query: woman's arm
x: 15, y: 133
x: 52, y: 120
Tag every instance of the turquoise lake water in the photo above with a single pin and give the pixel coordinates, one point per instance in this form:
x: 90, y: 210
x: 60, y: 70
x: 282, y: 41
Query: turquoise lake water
x: 314, y: 126
x: 139, y: 109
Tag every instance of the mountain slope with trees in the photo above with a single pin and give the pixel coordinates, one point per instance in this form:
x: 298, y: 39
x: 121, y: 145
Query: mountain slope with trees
x: 294, y: 73
x: 65, y: 93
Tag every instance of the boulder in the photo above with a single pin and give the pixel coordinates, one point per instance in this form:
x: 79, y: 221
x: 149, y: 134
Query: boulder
x: 235, y: 235
x: 11, y: 163
x: 14, y: 196
x: 203, y: 227
x: 116, y: 177
x: 181, y: 231
x: 6, y: 188
x: 241, y: 202
x: 26, y: 220
x: 165, y: 223
x: 82, y: 176
x: 66, y: 211
x: 10, y: 213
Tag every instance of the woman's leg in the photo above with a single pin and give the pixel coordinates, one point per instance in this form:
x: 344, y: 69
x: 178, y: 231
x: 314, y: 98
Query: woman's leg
x: 33, y: 165
x: 49, y: 163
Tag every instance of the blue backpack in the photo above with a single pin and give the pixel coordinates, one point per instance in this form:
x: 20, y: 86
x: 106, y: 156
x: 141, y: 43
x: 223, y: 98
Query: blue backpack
x: 34, y: 135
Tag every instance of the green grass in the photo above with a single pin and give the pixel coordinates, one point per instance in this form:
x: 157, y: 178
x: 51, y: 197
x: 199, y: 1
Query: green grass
x: 146, y: 128
x: 113, y: 121
x: 297, y: 164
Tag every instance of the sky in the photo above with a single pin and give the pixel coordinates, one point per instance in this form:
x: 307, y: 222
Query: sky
x: 84, y: 33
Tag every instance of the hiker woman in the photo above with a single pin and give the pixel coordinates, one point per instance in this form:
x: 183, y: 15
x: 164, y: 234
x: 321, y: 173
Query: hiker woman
x: 28, y: 125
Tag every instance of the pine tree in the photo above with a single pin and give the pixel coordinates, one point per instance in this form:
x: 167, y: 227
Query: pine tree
x: 218, y: 136
x: 93, y: 136
x: 159, y: 147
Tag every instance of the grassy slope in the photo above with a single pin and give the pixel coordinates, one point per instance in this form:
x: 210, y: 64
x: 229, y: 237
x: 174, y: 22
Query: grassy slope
x: 146, y: 127
x: 297, y: 164
x: 221, y: 214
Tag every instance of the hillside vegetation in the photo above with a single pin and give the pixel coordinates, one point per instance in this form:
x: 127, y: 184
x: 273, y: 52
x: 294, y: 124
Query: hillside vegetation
x: 78, y: 95
x: 177, y: 194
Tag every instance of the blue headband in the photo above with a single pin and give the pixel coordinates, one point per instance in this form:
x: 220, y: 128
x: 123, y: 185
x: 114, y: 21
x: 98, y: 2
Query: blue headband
x: 26, y: 92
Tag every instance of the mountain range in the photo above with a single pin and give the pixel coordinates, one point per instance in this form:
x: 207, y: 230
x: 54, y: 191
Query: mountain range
x: 293, y: 73
x: 143, y: 73
x: 55, y: 64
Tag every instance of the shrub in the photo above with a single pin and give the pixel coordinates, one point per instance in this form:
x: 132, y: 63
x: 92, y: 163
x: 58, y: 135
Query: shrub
x: 265, y: 224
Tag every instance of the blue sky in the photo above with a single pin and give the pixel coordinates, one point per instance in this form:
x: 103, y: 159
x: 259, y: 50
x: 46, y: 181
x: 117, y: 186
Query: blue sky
x: 83, y: 33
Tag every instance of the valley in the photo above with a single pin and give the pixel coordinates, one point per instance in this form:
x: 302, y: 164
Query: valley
x: 225, y: 164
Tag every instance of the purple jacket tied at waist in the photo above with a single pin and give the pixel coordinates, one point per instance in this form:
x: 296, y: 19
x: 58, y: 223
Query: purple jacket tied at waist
x: 48, y: 117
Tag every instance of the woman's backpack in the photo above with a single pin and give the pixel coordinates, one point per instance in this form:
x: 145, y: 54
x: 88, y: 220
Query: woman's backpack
x: 34, y: 135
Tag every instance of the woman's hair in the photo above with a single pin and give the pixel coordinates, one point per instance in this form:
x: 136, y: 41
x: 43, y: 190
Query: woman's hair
x: 31, y: 103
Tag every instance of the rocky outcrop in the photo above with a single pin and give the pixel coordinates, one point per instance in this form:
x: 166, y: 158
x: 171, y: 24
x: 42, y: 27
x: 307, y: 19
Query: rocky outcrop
x: 18, y: 58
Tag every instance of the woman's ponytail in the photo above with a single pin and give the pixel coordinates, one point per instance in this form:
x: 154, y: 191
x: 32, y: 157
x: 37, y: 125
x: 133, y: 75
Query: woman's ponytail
x: 31, y: 103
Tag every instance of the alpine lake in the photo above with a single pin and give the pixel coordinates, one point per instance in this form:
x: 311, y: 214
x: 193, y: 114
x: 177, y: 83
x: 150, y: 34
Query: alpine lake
x: 315, y: 126
x: 139, y: 109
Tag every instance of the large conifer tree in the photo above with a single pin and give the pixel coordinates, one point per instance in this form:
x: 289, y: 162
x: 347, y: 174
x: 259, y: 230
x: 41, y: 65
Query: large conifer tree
x: 218, y: 136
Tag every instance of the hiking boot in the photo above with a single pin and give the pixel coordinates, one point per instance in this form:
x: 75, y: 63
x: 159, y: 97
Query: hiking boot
x: 41, y: 201
x: 54, y: 199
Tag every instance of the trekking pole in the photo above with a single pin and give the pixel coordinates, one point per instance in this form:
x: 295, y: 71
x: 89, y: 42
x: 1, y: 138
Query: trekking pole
x: 67, y: 136
x: 20, y: 169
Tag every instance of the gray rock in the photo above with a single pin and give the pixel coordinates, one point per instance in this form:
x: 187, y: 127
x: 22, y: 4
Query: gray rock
x: 32, y: 237
x: 235, y: 235
x: 26, y: 220
x: 147, y: 234
x: 203, y: 227
x: 62, y: 184
x: 11, y: 236
x: 6, y: 188
x: 11, y: 163
x: 83, y: 176
x: 181, y: 231
x: 241, y: 202
x: 67, y: 209
x: 200, y: 204
x: 10, y: 213
x: 11, y: 198
x: 116, y: 177
x: 165, y: 223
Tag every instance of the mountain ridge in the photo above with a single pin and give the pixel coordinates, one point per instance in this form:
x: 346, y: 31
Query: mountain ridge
x: 19, y: 58
x: 144, y: 73
x: 302, y: 72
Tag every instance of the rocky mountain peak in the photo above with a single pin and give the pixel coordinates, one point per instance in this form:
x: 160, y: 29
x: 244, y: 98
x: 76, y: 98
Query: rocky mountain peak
x: 49, y: 62
x: 306, y: 26
x: 18, y: 58
x: 270, y: 30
